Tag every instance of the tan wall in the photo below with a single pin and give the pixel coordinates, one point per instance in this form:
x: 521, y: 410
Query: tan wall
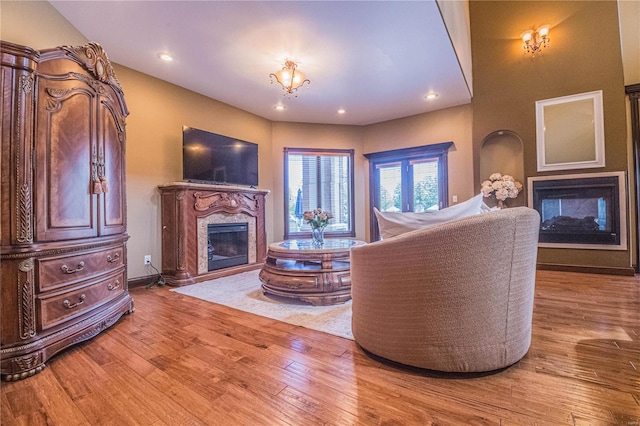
x: 154, y: 151
x: 629, y: 12
x: 447, y: 125
x: 507, y: 83
x: 301, y: 135
x: 36, y: 24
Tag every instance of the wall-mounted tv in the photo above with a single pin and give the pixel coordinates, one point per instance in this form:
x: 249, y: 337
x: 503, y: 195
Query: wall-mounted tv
x: 211, y: 158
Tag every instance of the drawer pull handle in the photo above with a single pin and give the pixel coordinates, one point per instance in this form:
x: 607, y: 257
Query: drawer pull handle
x: 70, y: 305
x: 66, y: 269
x: 114, y: 258
x: 112, y: 287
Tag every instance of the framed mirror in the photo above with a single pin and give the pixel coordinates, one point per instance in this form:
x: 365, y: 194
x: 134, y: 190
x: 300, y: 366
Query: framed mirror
x: 570, y: 132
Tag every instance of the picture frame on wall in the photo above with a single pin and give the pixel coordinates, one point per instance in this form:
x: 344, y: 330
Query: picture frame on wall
x: 570, y: 132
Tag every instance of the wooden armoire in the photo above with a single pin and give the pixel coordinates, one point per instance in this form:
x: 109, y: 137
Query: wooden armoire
x: 63, y: 229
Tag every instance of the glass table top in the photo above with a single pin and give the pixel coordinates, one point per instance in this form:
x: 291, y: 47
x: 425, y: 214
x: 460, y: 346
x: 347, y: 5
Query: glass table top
x: 308, y: 244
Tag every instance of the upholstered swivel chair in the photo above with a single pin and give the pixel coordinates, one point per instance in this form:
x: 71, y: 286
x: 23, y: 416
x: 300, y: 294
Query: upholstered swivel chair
x: 455, y: 297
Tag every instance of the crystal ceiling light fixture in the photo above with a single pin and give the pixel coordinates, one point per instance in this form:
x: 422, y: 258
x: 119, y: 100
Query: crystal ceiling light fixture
x: 290, y: 78
x: 533, y: 41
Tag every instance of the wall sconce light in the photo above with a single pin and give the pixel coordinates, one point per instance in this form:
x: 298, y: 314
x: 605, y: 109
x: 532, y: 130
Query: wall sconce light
x: 534, y: 40
x: 290, y: 78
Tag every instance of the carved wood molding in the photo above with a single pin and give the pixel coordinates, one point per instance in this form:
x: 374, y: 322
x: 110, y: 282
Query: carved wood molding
x: 26, y: 83
x: 93, y: 57
x: 26, y: 304
x: 25, y: 230
x: 24, y: 179
x: 95, y: 330
x: 25, y: 366
x: 28, y: 362
x: 62, y: 250
x: 97, y: 86
x: 181, y: 261
x: 227, y: 202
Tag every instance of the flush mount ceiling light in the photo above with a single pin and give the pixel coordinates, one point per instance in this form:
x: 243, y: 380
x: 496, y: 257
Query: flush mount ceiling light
x: 290, y: 78
x: 431, y: 96
x: 534, y: 40
x: 279, y: 107
x: 342, y: 111
x: 165, y: 56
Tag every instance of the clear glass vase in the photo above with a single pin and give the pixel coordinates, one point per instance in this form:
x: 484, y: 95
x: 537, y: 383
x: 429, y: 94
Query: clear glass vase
x: 317, y: 236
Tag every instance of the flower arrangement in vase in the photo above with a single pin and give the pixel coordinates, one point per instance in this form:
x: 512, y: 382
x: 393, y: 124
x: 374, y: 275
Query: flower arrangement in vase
x: 501, y: 187
x: 318, y: 220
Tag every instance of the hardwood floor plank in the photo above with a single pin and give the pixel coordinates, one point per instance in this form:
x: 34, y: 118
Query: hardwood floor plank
x: 24, y: 402
x: 58, y: 405
x: 151, y: 403
x: 5, y: 409
x: 180, y: 360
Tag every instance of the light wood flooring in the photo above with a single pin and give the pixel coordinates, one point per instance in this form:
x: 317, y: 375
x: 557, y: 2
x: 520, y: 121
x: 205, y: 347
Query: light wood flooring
x: 181, y: 361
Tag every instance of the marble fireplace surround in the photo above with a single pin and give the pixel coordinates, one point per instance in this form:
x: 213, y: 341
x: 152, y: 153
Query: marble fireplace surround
x: 216, y: 218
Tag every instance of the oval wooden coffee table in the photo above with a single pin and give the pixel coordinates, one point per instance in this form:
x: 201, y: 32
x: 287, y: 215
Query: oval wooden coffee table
x: 319, y: 275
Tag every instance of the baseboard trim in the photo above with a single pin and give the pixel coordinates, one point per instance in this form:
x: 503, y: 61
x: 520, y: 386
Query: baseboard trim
x: 142, y: 281
x: 604, y: 270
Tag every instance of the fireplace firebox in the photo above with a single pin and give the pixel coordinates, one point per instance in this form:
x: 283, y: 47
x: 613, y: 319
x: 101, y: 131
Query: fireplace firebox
x: 227, y: 245
x: 580, y: 211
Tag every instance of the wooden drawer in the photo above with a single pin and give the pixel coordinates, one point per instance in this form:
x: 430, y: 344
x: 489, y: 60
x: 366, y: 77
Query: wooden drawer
x: 58, y: 271
x: 343, y: 279
x: 58, y: 307
x: 276, y: 279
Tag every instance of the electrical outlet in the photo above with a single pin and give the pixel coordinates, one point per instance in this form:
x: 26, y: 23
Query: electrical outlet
x: 455, y: 198
x: 147, y: 259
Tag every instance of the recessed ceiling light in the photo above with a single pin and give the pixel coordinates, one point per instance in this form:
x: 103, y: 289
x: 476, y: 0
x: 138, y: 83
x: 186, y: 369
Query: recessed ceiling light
x: 165, y: 56
x: 342, y: 111
x: 431, y: 96
x: 279, y: 107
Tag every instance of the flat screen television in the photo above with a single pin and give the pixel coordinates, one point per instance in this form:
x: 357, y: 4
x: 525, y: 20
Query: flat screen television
x: 211, y: 158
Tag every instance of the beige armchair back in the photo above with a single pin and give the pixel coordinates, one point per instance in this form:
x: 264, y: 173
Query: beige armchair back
x: 456, y: 297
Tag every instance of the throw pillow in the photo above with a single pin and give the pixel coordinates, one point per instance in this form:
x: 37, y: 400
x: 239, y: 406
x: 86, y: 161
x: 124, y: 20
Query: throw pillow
x: 391, y: 224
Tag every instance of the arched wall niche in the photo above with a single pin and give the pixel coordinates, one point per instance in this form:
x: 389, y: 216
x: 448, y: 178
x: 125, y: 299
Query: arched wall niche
x: 501, y: 152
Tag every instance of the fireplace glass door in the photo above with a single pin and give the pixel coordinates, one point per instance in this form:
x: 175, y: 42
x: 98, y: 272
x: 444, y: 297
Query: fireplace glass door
x: 227, y: 245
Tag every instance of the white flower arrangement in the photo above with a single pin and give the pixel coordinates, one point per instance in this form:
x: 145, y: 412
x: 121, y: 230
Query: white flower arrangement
x: 501, y: 186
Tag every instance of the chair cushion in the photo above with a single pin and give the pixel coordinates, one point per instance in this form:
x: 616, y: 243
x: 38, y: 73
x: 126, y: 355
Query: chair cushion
x: 391, y: 224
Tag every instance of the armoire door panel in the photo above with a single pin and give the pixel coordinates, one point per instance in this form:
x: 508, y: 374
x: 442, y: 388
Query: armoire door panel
x: 112, y: 217
x: 64, y: 154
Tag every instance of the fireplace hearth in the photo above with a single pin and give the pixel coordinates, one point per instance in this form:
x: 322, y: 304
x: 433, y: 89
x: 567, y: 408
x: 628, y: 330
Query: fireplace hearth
x: 581, y: 211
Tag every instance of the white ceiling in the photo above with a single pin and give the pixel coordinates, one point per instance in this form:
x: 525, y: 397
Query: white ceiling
x: 377, y: 60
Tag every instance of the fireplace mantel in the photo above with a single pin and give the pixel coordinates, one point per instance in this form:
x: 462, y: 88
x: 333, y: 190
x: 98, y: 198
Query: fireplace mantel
x: 187, y: 208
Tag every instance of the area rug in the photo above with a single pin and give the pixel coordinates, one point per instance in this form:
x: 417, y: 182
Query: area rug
x: 243, y: 292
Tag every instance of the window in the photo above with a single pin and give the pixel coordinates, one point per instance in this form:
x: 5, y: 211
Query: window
x: 318, y: 179
x: 408, y: 180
